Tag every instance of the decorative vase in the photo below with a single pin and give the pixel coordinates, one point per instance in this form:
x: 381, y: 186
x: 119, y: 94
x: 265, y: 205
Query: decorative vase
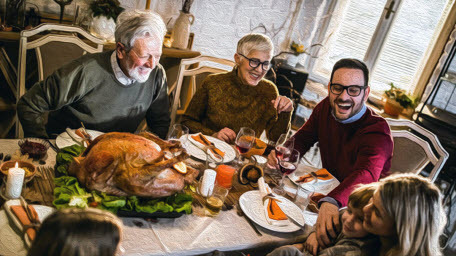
x: 103, y: 28
x: 392, y: 107
x: 181, y: 30
x: 292, y: 60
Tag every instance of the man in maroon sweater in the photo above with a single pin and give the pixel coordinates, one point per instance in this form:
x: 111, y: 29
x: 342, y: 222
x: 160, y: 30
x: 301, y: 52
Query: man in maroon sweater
x: 355, y: 144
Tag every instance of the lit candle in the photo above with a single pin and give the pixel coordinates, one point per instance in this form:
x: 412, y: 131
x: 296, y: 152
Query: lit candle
x: 14, y: 182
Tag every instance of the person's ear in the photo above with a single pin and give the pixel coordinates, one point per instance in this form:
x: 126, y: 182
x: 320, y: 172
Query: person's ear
x: 237, y: 59
x: 366, y: 93
x: 329, y: 87
x: 120, y: 50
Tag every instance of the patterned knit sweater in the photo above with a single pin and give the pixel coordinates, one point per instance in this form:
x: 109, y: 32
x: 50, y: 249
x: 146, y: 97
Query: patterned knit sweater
x: 223, y: 101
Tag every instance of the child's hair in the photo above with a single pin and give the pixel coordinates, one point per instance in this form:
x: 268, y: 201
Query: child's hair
x: 78, y: 232
x: 361, y: 195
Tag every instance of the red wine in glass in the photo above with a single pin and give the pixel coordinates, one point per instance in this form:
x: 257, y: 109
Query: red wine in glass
x: 243, y: 146
x: 282, y: 152
x: 287, y: 167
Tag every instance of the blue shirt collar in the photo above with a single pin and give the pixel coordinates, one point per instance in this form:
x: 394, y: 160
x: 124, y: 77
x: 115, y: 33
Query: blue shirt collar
x: 354, y: 118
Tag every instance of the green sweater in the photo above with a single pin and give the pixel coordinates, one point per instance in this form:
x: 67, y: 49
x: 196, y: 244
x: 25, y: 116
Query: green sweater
x: 86, y: 90
x: 223, y: 101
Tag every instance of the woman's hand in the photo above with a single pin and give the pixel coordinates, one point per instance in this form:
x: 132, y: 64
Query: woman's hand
x: 273, y: 163
x: 311, y: 244
x: 282, y: 104
x: 225, y: 134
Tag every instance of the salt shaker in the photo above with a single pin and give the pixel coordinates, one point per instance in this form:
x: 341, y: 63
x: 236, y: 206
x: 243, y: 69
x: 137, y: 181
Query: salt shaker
x: 14, y: 182
x: 207, y: 182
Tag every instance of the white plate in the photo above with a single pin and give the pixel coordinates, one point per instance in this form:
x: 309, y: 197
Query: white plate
x: 252, y: 205
x: 195, y: 151
x: 64, y: 140
x: 42, y: 211
x: 321, y: 186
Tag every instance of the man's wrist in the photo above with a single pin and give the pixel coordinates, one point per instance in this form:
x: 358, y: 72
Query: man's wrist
x: 328, y: 199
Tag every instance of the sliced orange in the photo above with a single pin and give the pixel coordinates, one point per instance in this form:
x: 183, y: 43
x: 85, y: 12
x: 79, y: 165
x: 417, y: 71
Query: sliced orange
x: 180, y: 167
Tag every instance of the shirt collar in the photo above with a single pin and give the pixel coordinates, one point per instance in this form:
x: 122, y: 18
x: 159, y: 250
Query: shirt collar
x: 354, y: 118
x: 120, y: 76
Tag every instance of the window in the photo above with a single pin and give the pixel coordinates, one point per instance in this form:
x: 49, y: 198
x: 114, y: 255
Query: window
x: 393, y: 37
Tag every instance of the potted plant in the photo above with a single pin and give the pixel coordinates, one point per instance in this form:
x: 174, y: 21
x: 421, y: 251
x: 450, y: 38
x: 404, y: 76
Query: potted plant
x: 397, y: 100
x: 104, y: 15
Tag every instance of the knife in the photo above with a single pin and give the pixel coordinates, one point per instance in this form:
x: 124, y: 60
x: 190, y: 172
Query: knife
x: 294, y: 221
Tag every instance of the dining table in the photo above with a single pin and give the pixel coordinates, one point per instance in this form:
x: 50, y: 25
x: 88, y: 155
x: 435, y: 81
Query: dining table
x: 190, y: 234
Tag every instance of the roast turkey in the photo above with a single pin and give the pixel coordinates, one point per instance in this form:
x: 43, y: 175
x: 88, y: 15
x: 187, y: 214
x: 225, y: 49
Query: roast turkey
x: 125, y: 164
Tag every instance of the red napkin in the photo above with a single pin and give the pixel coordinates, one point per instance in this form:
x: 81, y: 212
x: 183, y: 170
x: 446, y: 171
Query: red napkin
x: 21, y: 215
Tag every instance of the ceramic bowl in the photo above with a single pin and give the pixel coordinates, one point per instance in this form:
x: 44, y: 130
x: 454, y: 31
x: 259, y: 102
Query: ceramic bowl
x: 30, y: 169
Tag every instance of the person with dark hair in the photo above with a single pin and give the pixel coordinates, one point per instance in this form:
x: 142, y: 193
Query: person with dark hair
x: 78, y: 232
x: 355, y: 143
x: 108, y: 91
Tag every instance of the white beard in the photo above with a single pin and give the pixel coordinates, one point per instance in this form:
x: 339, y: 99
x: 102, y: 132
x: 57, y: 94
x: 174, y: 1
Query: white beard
x: 134, y: 73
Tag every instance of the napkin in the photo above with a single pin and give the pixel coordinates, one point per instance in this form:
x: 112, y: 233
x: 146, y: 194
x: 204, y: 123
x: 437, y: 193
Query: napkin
x: 274, y: 215
x: 258, y: 148
x: 321, y: 174
x: 21, y: 215
x: 204, y: 142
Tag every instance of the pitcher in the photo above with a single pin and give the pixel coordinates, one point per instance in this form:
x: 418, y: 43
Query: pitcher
x: 181, y: 30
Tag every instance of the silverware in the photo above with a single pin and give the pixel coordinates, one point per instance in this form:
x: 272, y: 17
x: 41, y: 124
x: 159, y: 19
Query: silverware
x: 32, y: 217
x: 55, y: 148
x: 294, y: 221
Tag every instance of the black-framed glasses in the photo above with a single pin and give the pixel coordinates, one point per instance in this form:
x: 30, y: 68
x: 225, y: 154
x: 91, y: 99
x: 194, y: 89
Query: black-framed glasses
x: 352, y: 90
x: 254, y: 63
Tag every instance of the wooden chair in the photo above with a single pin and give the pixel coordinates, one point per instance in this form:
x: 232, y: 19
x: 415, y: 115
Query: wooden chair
x: 54, y: 45
x: 196, y: 69
x: 415, y: 148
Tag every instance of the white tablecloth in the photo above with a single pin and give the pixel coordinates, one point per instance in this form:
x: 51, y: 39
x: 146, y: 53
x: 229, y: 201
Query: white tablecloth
x: 189, y: 234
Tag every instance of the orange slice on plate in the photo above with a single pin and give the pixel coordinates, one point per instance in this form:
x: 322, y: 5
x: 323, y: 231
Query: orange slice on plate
x: 180, y: 167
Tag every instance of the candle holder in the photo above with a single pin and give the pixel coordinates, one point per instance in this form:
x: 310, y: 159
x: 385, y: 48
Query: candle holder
x: 30, y: 169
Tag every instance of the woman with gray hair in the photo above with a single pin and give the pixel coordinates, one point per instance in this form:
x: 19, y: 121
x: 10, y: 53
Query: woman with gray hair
x: 108, y: 91
x: 406, y: 212
x: 241, y: 98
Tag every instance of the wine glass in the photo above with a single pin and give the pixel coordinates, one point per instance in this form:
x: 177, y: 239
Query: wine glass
x: 179, y: 132
x: 244, y: 141
x: 288, y: 163
x: 284, y: 146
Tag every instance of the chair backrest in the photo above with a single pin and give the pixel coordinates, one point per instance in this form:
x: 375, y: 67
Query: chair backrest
x: 54, y: 45
x: 415, y: 147
x: 201, y: 65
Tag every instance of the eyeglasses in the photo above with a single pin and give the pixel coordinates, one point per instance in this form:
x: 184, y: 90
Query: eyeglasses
x: 352, y: 90
x: 254, y: 63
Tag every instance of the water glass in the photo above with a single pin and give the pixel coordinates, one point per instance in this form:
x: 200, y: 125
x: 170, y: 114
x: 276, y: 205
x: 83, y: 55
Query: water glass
x: 177, y: 132
x: 303, y: 196
x: 215, y: 201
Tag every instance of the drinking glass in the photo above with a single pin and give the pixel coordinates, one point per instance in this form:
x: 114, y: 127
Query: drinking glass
x: 244, y: 141
x: 214, y: 201
x: 179, y: 132
x: 303, y: 196
x: 284, y: 145
x: 288, y: 164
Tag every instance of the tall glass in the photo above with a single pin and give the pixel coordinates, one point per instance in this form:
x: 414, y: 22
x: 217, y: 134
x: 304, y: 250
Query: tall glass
x: 178, y: 132
x: 284, y: 146
x: 244, y: 142
x: 288, y: 163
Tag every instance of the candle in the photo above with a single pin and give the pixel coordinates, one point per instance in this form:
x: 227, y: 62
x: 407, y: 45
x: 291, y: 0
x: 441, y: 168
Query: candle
x: 14, y: 182
x: 225, y: 175
x: 207, y: 182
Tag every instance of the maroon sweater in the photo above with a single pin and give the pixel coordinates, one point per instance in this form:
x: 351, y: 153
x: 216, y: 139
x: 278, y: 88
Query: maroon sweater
x: 355, y: 153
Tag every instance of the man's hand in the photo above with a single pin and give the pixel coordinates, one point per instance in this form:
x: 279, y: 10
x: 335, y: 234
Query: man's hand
x: 225, y: 134
x: 282, y: 104
x: 273, y: 163
x: 328, y: 224
x: 311, y: 244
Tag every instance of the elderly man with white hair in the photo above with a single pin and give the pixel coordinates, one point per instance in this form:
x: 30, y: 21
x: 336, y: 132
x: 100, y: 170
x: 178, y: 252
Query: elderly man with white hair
x: 109, y: 91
